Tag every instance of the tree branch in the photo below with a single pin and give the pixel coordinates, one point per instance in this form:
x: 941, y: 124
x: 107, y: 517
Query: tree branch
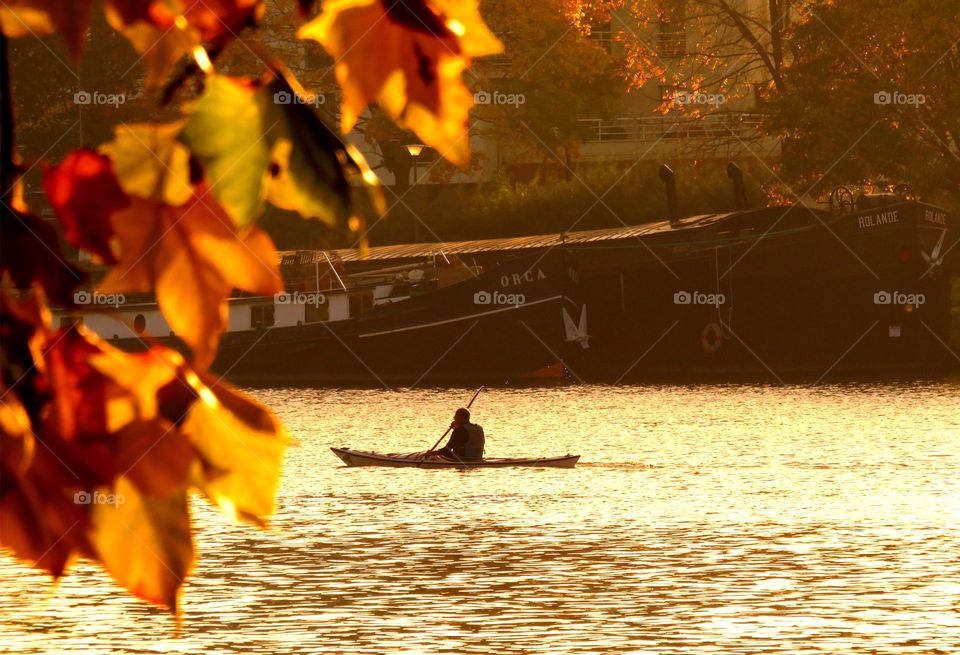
x: 755, y: 42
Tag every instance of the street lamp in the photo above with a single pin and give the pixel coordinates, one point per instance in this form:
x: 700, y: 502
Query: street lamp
x: 414, y: 150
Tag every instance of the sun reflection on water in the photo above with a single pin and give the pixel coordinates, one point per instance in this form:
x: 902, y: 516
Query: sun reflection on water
x: 702, y: 520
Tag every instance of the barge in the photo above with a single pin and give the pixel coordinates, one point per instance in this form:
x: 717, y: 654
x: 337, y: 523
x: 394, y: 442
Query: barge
x: 788, y: 292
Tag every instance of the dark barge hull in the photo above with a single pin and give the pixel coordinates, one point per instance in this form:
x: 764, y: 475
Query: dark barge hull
x: 802, y: 299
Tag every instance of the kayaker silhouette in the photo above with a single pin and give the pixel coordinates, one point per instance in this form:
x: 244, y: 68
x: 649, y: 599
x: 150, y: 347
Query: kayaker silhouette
x: 467, y: 441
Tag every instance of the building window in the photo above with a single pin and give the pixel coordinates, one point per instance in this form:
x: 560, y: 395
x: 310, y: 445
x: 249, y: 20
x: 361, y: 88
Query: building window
x: 602, y: 34
x: 672, y: 35
x: 261, y: 316
x: 360, y: 304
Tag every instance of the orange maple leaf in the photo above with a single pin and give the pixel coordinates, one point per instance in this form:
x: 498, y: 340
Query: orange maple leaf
x: 193, y: 257
x: 409, y: 56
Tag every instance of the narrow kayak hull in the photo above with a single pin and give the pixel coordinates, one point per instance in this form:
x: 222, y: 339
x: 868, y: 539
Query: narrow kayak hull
x: 415, y: 460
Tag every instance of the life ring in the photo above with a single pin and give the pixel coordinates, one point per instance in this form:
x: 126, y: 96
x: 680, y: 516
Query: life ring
x: 711, y: 338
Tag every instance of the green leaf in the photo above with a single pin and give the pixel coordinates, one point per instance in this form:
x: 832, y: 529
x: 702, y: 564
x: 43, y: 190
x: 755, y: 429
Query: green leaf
x: 309, y: 160
x: 257, y: 143
x: 229, y: 132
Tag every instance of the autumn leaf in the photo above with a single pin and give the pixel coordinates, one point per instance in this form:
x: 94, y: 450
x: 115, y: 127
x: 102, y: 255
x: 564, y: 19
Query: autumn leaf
x: 230, y: 134
x: 144, y: 543
x: 18, y: 442
x: 116, y: 491
x: 42, y: 17
x: 37, y: 524
x: 161, y: 49
x: 193, y: 258
x: 164, y: 31
x: 154, y: 456
x: 311, y: 165
x: 240, y: 447
x: 30, y: 253
x: 150, y: 163
x: 259, y: 142
x: 409, y: 56
x: 84, y: 193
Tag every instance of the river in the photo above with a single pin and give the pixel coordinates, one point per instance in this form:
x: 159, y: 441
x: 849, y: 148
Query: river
x: 701, y: 519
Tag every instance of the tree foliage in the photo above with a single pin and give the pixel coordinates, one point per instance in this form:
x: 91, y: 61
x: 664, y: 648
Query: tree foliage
x: 171, y: 207
x: 552, y: 76
x: 714, y: 46
x: 871, y: 95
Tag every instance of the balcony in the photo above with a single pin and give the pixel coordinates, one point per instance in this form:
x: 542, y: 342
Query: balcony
x: 656, y: 128
x: 656, y: 137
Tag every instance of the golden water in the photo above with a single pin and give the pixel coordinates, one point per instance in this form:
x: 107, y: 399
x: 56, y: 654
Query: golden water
x: 731, y: 519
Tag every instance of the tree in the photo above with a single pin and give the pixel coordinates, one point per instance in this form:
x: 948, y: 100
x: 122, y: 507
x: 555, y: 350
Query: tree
x: 726, y: 47
x: 871, y: 95
x: 552, y: 76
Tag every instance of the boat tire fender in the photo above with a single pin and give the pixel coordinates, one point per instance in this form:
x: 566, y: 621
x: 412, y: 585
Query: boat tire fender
x: 711, y: 338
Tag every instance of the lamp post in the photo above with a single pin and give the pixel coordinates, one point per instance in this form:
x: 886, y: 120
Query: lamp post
x: 414, y: 150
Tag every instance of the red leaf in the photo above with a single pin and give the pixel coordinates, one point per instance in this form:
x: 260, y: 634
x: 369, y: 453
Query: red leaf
x: 30, y: 252
x: 84, y: 192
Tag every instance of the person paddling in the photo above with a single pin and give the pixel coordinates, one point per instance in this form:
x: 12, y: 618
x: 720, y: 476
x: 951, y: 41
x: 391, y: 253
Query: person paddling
x: 467, y: 441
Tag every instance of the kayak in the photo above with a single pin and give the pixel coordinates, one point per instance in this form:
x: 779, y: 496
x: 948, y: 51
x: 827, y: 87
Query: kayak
x: 415, y: 460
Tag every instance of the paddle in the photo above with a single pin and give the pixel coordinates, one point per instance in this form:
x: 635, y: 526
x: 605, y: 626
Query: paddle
x: 448, y: 429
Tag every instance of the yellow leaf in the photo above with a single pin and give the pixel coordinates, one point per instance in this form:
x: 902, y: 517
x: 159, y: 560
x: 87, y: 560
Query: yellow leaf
x: 135, y: 378
x: 150, y: 163
x: 409, y: 56
x: 193, y: 258
x: 240, y: 445
x: 144, y: 543
x: 161, y: 48
x: 163, y: 31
